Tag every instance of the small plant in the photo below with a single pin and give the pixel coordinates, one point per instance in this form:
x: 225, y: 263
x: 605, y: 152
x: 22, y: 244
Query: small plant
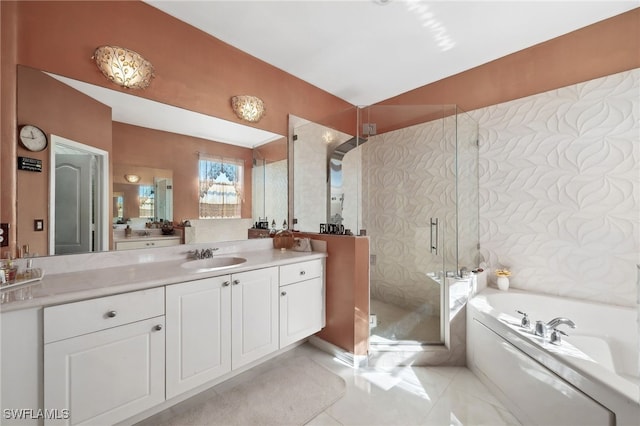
x: 503, y: 272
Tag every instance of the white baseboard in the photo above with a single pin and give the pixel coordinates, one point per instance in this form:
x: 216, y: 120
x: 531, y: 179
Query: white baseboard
x: 354, y: 361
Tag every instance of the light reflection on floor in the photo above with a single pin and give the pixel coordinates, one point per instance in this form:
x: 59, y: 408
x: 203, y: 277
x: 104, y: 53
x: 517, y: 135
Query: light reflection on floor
x: 395, y: 323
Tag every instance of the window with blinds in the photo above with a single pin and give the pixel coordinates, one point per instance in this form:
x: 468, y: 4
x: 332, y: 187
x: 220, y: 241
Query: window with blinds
x: 220, y: 184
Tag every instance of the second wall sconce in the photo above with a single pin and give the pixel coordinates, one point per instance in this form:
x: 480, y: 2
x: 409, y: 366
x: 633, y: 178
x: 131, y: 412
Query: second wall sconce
x: 124, y: 67
x: 132, y: 178
x: 249, y: 108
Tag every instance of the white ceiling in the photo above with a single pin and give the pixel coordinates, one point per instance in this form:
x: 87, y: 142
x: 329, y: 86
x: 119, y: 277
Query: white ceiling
x: 362, y: 51
x: 366, y: 51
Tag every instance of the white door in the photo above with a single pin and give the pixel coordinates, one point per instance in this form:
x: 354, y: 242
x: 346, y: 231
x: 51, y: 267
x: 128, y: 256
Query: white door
x: 73, y: 204
x: 79, y: 198
x: 106, y: 376
x: 198, y: 316
x: 254, y: 315
x: 300, y: 310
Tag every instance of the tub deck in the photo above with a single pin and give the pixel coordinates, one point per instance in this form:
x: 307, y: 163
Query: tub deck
x: 599, y: 357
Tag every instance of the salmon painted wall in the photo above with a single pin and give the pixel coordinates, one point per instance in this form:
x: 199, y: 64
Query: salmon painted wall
x: 347, y: 292
x: 273, y: 151
x: 203, y: 79
x: 193, y: 70
x: 58, y: 110
x: 136, y: 146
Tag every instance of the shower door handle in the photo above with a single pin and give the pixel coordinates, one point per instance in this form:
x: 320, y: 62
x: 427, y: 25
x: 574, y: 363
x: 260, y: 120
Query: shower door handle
x: 434, y: 236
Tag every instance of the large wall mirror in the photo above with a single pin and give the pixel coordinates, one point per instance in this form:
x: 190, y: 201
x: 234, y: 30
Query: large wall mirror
x: 157, y: 145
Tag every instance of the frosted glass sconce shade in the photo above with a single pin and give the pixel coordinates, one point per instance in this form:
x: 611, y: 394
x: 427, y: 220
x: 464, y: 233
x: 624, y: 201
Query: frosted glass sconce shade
x: 132, y: 178
x: 249, y: 108
x: 124, y: 67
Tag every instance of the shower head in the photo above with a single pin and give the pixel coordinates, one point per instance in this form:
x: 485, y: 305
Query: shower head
x: 341, y: 150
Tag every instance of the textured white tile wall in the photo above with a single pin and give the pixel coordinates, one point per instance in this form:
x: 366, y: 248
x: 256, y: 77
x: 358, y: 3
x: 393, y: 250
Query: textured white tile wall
x: 408, y: 178
x: 560, y: 189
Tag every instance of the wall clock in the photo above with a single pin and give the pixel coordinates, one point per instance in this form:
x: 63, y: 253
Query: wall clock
x: 33, y: 138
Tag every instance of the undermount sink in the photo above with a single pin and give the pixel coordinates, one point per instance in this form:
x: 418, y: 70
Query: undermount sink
x: 213, y: 263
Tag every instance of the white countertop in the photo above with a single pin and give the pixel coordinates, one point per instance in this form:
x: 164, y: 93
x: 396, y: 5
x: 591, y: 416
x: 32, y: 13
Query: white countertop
x: 67, y: 287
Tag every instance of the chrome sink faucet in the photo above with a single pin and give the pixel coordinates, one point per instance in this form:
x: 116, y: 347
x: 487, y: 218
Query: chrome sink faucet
x: 550, y: 330
x: 204, y: 253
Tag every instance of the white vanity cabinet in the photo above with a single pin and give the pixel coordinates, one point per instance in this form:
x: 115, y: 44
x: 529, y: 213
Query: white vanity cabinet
x: 147, y: 243
x: 218, y: 324
x: 104, y: 358
x: 110, y: 359
x: 254, y: 315
x: 301, y: 300
x: 198, y: 315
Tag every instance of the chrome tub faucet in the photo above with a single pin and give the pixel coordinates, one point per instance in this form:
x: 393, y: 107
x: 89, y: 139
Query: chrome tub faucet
x: 550, y: 329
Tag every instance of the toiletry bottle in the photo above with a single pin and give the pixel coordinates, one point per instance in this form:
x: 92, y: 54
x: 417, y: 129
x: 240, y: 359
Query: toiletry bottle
x: 28, y: 272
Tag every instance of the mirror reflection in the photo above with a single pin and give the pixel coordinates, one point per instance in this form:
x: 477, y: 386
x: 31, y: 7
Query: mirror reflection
x: 162, y: 157
x: 142, y: 195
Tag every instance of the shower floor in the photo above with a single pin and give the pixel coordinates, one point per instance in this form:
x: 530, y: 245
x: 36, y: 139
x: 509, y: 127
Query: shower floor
x: 399, y: 324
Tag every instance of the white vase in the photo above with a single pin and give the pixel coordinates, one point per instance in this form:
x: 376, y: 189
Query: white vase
x: 503, y: 283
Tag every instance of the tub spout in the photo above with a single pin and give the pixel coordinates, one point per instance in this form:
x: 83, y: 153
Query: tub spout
x: 559, y: 321
x: 543, y: 329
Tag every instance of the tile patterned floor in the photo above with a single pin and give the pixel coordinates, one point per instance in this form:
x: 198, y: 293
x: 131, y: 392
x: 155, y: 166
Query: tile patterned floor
x: 393, y: 396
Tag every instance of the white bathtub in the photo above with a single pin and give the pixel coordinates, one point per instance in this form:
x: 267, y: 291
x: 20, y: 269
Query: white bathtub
x: 591, y: 378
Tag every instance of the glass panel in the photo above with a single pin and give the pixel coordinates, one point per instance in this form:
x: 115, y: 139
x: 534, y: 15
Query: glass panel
x: 312, y: 149
x: 407, y: 176
x: 408, y: 203
x: 468, y: 204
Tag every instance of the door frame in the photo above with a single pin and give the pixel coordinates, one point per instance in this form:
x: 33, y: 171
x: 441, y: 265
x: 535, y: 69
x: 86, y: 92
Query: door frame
x: 102, y: 191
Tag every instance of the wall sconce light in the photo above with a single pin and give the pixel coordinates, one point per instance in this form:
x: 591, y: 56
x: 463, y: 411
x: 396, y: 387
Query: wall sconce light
x: 132, y: 178
x: 124, y: 67
x: 250, y: 108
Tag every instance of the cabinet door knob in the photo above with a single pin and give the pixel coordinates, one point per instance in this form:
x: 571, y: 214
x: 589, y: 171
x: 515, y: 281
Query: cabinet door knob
x: 302, y: 272
x: 236, y: 282
x: 226, y: 284
x: 112, y: 314
x: 158, y: 327
x: 284, y: 293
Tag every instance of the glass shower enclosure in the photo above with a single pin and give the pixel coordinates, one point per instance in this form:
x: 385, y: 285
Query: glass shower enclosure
x: 407, y: 177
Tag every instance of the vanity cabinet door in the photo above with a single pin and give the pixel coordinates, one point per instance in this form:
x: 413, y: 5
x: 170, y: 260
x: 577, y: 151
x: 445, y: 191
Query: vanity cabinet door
x: 301, y: 310
x: 254, y: 311
x: 149, y: 243
x: 107, y: 376
x: 198, y: 315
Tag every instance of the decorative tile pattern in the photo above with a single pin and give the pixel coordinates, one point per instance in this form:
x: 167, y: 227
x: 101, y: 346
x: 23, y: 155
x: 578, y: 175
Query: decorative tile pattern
x: 408, y: 180
x: 560, y: 189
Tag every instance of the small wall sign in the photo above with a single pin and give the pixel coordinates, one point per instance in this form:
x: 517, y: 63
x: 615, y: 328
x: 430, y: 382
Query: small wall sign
x: 29, y: 164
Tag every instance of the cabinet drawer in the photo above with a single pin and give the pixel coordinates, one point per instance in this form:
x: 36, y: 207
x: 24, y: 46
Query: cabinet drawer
x: 300, y: 271
x: 87, y: 316
x: 161, y: 242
